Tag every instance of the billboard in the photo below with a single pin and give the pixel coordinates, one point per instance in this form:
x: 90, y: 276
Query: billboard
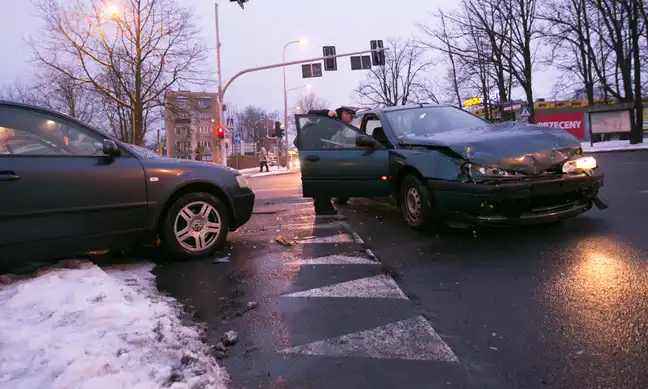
x: 609, y: 122
x: 571, y: 122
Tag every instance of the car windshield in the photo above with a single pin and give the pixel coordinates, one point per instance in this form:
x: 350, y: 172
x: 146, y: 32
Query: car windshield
x: 430, y: 121
x: 142, y: 152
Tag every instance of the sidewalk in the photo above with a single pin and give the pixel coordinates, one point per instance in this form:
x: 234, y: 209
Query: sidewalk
x: 254, y: 172
x: 612, y: 145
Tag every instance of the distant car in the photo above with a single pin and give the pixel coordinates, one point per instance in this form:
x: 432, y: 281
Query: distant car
x: 66, y: 189
x: 443, y: 164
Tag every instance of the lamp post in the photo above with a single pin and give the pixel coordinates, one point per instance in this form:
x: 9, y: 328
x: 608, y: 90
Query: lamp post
x: 283, y: 60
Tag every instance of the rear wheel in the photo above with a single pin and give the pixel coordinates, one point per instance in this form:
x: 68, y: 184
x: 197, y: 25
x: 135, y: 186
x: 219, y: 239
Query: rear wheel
x: 196, y: 225
x: 416, y: 204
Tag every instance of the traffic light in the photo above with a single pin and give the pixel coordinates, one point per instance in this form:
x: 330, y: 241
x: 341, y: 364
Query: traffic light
x: 220, y: 131
x: 278, y: 132
x: 240, y: 2
x: 330, y: 64
x: 377, y: 57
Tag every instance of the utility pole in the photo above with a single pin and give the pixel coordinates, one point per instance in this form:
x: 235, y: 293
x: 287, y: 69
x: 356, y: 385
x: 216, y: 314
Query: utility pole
x: 220, y: 93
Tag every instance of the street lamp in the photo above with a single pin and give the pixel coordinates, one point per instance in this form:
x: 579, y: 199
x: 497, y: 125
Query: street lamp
x: 299, y: 87
x: 300, y: 41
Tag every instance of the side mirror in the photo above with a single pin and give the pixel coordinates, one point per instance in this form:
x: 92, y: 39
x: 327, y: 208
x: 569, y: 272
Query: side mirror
x: 366, y: 141
x: 110, y: 148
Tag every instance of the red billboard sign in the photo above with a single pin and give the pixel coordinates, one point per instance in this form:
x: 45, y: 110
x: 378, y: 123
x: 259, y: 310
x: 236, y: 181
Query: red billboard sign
x: 571, y: 122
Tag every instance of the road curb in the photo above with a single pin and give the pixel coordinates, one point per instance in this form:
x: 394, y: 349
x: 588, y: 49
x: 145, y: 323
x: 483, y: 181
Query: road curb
x: 614, y: 151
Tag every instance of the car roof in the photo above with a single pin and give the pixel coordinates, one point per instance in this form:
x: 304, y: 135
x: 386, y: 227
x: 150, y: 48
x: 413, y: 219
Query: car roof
x: 399, y: 108
x: 48, y: 111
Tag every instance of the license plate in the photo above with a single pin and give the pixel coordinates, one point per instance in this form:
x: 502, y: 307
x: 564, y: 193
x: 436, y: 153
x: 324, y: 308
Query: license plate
x: 552, y: 188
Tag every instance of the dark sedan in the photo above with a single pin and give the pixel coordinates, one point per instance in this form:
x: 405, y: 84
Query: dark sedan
x: 67, y: 189
x: 442, y: 164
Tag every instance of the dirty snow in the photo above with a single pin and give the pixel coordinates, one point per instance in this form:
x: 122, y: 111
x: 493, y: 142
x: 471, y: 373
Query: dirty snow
x: 254, y: 172
x: 85, y: 328
x: 612, y: 145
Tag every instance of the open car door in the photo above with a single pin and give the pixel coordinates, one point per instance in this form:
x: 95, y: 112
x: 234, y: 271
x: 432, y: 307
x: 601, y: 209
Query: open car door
x: 338, y: 160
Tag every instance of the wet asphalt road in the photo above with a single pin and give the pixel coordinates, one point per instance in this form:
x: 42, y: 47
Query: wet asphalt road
x: 561, y: 306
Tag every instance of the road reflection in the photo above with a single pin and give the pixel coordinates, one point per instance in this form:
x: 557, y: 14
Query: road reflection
x: 601, y: 294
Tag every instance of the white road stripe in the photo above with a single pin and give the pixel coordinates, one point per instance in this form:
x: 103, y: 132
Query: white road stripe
x: 410, y: 339
x: 339, y: 238
x: 334, y: 260
x: 357, y: 238
x: 305, y: 226
x: 380, y: 286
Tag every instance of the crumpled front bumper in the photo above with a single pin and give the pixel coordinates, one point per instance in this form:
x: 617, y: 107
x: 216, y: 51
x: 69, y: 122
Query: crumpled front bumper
x: 529, y: 201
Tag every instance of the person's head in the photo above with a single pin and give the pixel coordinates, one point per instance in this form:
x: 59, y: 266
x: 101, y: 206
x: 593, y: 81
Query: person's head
x: 345, y: 114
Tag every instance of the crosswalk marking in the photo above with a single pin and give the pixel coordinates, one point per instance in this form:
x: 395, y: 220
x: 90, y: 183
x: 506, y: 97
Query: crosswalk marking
x: 339, y: 238
x: 306, y: 226
x: 410, y: 339
x: 380, y: 286
x: 334, y: 260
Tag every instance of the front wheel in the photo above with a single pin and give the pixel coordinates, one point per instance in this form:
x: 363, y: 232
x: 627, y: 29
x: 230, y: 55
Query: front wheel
x: 416, y: 205
x: 196, y: 225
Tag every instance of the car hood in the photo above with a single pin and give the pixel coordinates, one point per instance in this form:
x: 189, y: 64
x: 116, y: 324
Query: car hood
x: 527, y: 148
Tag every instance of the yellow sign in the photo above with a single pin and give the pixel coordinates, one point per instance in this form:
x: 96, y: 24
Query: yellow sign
x: 472, y: 101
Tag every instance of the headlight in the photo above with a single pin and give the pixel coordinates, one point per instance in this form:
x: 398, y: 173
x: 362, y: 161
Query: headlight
x: 579, y: 165
x: 242, y: 181
x: 476, y: 171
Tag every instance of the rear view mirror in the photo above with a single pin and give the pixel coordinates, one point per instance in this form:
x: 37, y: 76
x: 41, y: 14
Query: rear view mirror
x: 110, y: 148
x: 366, y: 141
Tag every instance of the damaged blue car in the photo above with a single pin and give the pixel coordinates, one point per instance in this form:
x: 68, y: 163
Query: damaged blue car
x: 442, y: 164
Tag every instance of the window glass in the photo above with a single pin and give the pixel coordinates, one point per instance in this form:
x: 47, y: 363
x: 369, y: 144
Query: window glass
x: 371, y: 125
x: 320, y: 132
x: 430, y: 121
x: 26, y: 132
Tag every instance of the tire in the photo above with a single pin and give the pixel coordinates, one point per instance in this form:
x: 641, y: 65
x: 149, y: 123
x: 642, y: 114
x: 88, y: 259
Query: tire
x: 416, y: 204
x: 341, y: 200
x: 185, y: 215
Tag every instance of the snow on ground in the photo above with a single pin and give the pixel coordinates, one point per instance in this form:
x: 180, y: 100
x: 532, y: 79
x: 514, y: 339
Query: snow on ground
x: 254, y: 172
x: 612, y: 145
x: 88, y: 329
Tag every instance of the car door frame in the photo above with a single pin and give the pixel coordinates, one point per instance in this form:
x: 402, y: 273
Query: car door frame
x: 47, y: 246
x: 365, y: 172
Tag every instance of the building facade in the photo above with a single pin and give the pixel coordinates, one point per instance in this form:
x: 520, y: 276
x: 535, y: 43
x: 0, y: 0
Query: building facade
x: 191, y: 119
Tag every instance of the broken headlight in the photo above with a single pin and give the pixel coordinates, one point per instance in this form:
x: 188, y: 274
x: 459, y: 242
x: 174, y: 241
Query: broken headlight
x: 483, y: 172
x: 578, y: 165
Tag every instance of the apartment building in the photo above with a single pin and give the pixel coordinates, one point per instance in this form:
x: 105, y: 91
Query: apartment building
x: 191, y: 119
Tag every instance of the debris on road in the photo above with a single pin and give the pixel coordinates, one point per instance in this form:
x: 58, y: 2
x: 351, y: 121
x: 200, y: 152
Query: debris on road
x: 282, y: 241
x: 230, y: 338
x: 221, y: 260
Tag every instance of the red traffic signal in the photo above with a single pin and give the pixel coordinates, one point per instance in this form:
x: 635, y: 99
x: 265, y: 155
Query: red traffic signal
x: 220, y: 131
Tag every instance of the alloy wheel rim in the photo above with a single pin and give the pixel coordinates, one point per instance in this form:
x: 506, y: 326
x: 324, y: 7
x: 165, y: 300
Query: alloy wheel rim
x: 197, y: 226
x: 413, y: 204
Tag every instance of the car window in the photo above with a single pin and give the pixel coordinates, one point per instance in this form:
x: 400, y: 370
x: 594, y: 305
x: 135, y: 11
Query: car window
x: 429, y: 121
x: 357, y: 120
x: 26, y: 132
x: 372, y: 123
x: 320, y: 132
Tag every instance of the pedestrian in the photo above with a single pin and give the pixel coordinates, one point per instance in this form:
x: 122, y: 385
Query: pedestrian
x: 323, y: 205
x: 263, y: 159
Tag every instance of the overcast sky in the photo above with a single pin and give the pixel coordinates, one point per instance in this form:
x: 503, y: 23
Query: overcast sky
x: 256, y: 36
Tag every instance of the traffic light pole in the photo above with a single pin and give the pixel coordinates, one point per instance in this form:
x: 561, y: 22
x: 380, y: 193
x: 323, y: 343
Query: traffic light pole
x: 303, y: 61
x: 221, y: 141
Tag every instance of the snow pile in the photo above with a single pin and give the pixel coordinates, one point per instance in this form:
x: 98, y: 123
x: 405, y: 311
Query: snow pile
x: 84, y: 329
x: 612, y: 145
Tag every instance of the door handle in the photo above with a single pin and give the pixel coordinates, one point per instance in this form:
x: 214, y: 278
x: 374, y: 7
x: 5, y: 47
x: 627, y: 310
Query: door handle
x: 312, y: 158
x: 9, y: 176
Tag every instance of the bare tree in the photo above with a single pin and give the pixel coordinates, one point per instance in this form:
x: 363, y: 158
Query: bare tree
x: 310, y: 101
x: 57, y: 92
x: 400, y: 80
x: 521, y: 17
x: 130, y: 55
x: 255, y: 124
